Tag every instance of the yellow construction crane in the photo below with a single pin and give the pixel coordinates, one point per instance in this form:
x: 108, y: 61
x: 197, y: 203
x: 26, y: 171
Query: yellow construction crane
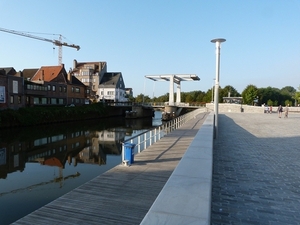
x: 58, y: 43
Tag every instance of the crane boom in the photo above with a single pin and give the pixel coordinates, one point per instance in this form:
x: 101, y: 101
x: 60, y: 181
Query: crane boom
x: 58, y: 43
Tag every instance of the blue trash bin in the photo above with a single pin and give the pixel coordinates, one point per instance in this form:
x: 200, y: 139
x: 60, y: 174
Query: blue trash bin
x: 129, y: 153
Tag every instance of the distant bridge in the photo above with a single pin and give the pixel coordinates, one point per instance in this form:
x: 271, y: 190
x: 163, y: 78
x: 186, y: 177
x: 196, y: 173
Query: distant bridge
x: 174, y: 78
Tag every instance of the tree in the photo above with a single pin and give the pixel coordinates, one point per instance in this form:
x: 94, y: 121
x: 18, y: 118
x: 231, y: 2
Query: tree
x: 269, y: 93
x: 288, y: 90
x: 297, y: 96
x: 270, y: 102
x: 249, y: 94
x: 142, y: 98
x: 226, y: 91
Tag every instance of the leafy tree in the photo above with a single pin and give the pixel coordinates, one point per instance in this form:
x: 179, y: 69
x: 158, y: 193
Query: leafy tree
x: 131, y: 99
x: 270, y: 102
x: 142, y: 98
x: 297, y: 96
x: 288, y: 102
x: 249, y: 94
x: 288, y: 90
x: 224, y: 92
x: 269, y: 93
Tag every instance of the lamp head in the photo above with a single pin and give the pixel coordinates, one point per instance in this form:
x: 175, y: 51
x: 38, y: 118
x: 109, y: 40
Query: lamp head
x: 220, y: 40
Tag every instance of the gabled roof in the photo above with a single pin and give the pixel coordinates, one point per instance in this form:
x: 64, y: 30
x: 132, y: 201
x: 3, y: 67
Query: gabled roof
x: 8, y: 70
x: 29, y: 73
x: 50, y: 74
x: 111, y: 78
x: 55, y: 74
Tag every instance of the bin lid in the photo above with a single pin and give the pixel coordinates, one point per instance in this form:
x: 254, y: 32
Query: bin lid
x: 129, y: 145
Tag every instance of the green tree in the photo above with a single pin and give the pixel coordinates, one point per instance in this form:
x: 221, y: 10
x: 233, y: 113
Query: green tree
x: 296, y: 96
x: 270, y: 102
x: 249, y: 94
x: 142, y: 98
x: 228, y: 91
x: 288, y: 90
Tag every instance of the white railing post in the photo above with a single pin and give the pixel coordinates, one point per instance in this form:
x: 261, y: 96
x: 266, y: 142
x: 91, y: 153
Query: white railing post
x: 145, y: 141
x: 139, y: 144
x: 123, y: 152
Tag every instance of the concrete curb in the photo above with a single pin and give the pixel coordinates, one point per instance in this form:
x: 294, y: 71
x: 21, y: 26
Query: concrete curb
x: 186, y: 197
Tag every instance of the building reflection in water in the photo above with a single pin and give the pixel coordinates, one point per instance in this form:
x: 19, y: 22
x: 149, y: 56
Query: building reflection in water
x: 59, y: 144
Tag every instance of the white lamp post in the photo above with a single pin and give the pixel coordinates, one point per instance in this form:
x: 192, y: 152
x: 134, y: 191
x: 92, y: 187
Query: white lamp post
x: 218, y: 42
x: 212, y: 91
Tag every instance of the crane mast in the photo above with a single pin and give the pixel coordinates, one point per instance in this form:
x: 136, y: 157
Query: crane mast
x: 58, y: 43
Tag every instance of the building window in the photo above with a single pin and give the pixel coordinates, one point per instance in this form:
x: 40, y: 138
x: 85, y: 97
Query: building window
x: 110, y: 92
x: 53, y: 87
x: 72, y: 89
x: 65, y: 89
x: 35, y: 101
x: 11, y: 99
x: 60, y: 88
x: 49, y: 87
x: 53, y: 101
x: 19, y: 99
x: 15, y: 86
x: 77, y: 90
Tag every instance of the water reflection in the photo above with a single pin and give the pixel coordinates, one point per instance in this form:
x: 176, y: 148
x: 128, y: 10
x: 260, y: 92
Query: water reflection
x: 40, y: 164
x: 60, y: 144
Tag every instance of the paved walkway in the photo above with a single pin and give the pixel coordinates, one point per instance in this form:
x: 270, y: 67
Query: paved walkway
x: 256, y: 177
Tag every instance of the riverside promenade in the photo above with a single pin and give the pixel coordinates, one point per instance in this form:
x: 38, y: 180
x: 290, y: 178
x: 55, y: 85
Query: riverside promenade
x: 122, y: 195
x: 255, y: 179
x: 256, y: 170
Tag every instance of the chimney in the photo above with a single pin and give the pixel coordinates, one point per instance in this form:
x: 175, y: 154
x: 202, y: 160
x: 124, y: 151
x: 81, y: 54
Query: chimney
x: 74, y: 63
x: 69, y: 77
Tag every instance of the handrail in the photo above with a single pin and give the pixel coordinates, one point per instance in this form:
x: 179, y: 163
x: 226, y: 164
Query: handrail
x: 149, y: 137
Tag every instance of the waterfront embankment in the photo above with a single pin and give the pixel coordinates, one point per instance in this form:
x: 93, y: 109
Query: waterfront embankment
x: 48, y: 115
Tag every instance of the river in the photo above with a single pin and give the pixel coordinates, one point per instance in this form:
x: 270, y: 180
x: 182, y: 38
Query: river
x: 40, y: 164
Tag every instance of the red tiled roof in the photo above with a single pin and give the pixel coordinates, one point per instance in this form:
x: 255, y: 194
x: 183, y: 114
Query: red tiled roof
x: 49, y: 73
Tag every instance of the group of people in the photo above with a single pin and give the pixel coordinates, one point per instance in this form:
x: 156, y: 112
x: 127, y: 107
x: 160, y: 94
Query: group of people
x: 280, y: 110
x: 268, y: 109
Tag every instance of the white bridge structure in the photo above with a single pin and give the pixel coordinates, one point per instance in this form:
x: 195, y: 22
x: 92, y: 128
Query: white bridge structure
x: 174, y: 78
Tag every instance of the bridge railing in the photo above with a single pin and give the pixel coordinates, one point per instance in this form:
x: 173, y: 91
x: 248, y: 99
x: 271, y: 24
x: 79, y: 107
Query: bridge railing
x: 149, y: 137
x: 155, y: 104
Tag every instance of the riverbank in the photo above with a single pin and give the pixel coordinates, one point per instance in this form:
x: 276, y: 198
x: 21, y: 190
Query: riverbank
x: 48, y: 115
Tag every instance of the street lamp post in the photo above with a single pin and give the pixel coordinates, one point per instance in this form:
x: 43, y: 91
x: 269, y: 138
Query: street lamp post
x: 212, y: 91
x: 218, y: 42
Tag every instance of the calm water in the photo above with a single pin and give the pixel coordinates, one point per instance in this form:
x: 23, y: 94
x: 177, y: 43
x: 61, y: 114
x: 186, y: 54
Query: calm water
x: 38, y: 165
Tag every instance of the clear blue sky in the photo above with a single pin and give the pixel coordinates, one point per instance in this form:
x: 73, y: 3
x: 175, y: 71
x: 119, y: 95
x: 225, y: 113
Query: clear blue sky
x: 152, y: 37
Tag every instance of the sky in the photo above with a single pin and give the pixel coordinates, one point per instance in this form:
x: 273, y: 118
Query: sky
x: 155, y: 37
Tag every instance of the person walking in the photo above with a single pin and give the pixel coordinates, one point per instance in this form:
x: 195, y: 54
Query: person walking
x: 279, y: 110
x: 286, y: 111
x: 270, y: 109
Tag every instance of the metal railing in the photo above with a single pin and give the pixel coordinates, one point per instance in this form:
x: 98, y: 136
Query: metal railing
x: 149, y: 137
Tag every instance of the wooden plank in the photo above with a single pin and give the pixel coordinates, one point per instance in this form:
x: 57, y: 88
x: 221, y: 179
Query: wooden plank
x: 122, y: 195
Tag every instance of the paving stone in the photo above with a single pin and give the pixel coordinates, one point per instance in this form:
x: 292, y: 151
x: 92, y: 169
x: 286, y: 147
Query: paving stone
x: 256, y: 170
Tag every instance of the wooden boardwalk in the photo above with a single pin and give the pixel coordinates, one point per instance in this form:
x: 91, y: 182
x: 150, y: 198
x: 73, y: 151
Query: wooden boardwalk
x: 122, y: 195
